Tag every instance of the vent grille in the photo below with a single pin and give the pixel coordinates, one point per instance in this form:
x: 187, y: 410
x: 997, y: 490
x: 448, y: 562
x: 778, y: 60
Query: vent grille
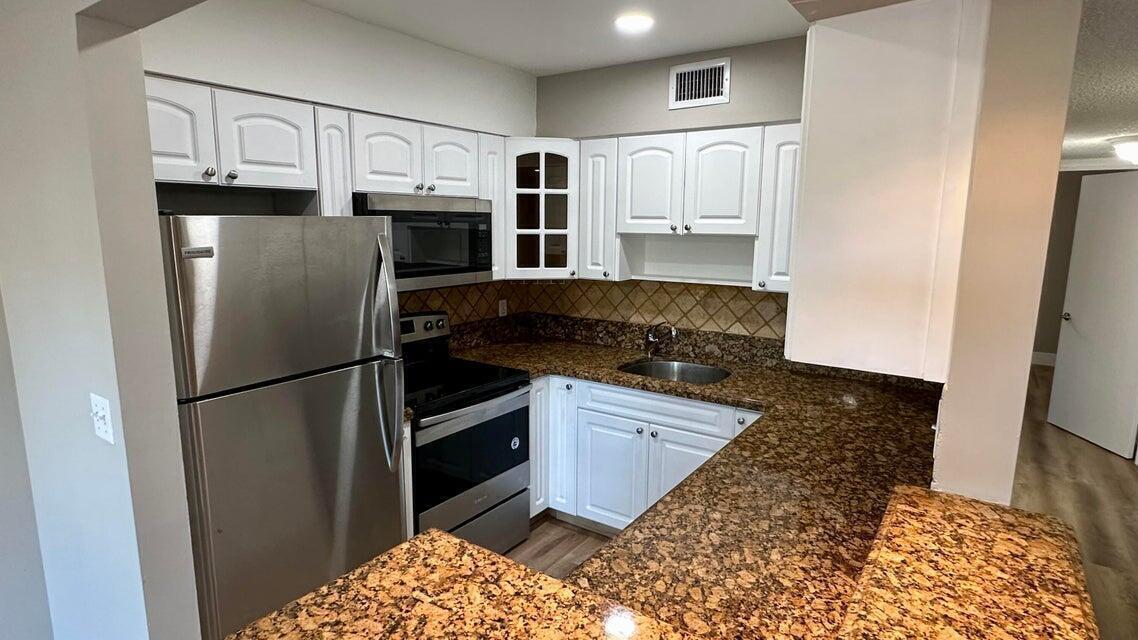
x: 700, y: 83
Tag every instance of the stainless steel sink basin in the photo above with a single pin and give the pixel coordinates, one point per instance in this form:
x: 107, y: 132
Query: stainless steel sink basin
x: 675, y: 370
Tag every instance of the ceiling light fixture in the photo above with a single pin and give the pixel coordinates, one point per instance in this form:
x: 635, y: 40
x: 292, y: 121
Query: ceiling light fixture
x: 633, y: 23
x: 1126, y: 148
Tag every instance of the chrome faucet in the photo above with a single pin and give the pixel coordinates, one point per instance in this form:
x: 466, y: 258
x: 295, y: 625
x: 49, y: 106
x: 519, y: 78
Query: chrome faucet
x: 652, y: 341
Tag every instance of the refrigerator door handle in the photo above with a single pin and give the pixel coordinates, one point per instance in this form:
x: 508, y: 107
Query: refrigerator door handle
x: 389, y: 392
x: 385, y: 298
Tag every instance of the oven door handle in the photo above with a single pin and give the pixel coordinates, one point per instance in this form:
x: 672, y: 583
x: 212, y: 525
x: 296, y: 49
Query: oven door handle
x: 447, y: 424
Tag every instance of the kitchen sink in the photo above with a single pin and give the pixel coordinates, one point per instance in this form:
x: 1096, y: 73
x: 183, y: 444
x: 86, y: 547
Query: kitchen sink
x: 675, y: 370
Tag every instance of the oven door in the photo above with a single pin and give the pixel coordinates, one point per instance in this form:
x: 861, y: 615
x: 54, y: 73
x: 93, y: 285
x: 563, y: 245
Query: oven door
x: 467, y: 461
x: 440, y: 248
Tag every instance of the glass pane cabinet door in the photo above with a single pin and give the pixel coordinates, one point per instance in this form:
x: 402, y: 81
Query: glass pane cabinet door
x: 542, y: 208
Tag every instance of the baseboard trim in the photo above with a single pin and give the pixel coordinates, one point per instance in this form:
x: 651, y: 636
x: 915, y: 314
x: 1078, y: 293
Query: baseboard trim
x: 1043, y: 358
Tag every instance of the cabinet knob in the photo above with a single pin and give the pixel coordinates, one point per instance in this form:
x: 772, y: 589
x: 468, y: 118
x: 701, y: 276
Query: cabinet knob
x: 740, y: 420
x: 687, y: 227
x: 568, y: 387
x: 673, y: 227
x: 209, y: 172
x: 639, y: 430
x: 232, y: 175
x: 654, y: 434
x: 1066, y: 315
x: 431, y: 189
x: 572, y: 273
x: 418, y: 187
x: 762, y: 284
x: 605, y: 274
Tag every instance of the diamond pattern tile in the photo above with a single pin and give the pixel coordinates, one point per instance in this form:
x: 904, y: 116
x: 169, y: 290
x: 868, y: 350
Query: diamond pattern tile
x: 736, y: 310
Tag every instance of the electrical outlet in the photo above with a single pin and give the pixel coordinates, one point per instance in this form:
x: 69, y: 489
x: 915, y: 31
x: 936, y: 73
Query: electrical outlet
x: 101, y: 416
x: 501, y: 308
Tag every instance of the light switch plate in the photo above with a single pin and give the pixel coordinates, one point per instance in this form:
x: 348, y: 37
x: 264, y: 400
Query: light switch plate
x: 501, y: 308
x: 101, y: 417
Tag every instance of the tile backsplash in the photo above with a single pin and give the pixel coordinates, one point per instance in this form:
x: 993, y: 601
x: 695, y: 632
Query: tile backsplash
x: 736, y: 310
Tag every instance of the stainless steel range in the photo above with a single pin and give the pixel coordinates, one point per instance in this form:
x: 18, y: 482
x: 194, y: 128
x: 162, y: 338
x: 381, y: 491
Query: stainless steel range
x: 470, y: 439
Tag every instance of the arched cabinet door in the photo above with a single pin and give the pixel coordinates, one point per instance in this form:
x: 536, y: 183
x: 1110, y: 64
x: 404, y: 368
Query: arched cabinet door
x: 387, y: 154
x: 182, y: 143
x: 721, y: 181
x: 265, y: 142
x: 450, y: 162
x: 650, y: 184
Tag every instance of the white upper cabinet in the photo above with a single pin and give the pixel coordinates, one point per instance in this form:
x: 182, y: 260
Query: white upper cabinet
x: 611, y: 468
x: 334, y: 155
x: 541, y: 207
x: 597, y: 240
x: 777, y: 203
x: 673, y: 455
x: 182, y: 143
x: 721, y: 181
x: 450, y: 162
x: 650, y: 184
x: 492, y: 187
x: 387, y: 154
x: 265, y: 142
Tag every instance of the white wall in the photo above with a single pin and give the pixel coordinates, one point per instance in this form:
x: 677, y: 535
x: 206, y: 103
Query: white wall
x: 888, y: 121
x: 115, y: 101
x: 294, y: 49
x: 1022, y: 115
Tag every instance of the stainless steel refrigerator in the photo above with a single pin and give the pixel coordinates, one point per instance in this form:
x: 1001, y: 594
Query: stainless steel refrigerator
x: 290, y: 389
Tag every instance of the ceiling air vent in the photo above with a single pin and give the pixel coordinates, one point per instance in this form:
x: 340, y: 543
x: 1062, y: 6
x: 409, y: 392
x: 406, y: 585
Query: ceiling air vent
x: 700, y: 83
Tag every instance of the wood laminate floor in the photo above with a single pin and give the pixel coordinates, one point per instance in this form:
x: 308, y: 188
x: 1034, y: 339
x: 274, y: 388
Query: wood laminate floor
x: 1094, y: 491
x: 556, y: 548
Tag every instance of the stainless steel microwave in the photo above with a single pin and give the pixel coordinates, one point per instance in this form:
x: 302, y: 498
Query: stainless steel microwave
x: 437, y: 241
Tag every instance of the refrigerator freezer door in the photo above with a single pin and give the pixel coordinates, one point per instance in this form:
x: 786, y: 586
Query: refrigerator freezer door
x: 257, y: 298
x: 292, y: 485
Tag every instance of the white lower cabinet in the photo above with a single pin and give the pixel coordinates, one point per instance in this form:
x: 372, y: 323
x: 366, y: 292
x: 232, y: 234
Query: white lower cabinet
x: 539, y: 450
x: 610, y: 452
x: 612, y: 466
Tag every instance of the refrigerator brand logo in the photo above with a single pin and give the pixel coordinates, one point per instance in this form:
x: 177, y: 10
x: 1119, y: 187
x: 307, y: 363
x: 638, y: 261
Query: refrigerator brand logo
x: 197, y: 252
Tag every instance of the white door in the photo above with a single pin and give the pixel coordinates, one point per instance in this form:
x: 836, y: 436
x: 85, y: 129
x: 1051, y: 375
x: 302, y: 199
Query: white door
x: 538, y: 446
x: 673, y: 455
x: 450, y: 162
x: 777, y: 199
x: 334, y: 155
x: 265, y: 142
x: 492, y: 187
x: 650, y: 184
x: 611, y: 468
x: 182, y: 143
x: 387, y: 154
x: 562, y: 445
x: 1095, y: 391
x: 721, y: 181
x: 541, y: 208
x: 597, y: 241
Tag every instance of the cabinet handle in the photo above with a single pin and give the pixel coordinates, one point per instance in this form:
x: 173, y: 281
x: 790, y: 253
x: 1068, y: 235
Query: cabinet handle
x: 762, y: 284
x: 687, y: 227
x: 209, y: 172
x: 639, y: 430
x: 605, y: 274
x: 418, y: 187
x: 740, y: 420
x: 232, y: 175
x: 654, y: 434
x: 673, y: 228
x: 568, y: 387
x: 431, y: 189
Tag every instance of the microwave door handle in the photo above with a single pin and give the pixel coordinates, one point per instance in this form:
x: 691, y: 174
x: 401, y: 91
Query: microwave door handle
x: 385, y: 319
x: 389, y: 395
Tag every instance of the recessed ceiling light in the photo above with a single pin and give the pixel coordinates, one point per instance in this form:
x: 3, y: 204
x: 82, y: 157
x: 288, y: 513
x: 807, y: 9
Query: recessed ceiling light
x: 634, y: 23
x: 1126, y: 148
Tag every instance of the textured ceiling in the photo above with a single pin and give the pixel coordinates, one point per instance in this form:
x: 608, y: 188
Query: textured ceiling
x: 1104, y: 90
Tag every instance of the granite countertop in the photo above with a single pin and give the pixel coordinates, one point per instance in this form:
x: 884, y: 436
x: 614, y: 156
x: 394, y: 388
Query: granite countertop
x: 944, y: 566
x: 437, y: 586
x: 766, y: 539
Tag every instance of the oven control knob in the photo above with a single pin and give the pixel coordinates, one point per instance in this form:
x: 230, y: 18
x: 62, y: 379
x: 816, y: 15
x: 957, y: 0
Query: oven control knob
x: 441, y: 323
x: 428, y: 325
x: 515, y: 443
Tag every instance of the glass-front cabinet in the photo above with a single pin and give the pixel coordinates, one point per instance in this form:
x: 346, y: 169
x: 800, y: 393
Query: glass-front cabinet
x: 541, y: 208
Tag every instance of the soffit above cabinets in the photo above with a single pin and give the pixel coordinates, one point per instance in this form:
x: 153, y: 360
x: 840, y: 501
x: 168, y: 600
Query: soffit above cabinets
x: 545, y: 37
